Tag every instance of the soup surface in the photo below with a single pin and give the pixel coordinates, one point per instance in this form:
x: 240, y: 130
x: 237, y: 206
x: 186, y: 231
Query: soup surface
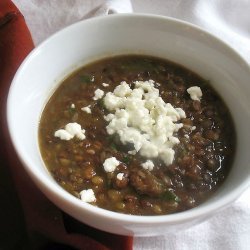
x: 137, y: 135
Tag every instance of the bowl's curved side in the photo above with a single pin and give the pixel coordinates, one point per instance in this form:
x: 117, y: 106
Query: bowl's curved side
x: 100, y: 37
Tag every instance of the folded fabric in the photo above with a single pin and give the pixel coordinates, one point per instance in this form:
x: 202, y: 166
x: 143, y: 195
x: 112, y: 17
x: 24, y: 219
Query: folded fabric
x: 46, y: 225
x: 110, y: 7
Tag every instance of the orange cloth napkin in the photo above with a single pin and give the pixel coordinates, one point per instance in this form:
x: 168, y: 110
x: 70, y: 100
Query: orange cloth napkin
x: 47, y: 226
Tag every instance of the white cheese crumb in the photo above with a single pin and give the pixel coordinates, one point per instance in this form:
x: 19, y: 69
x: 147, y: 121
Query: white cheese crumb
x: 98, y: 94
x: 195, y: 93
x: 140, y: 117
x: 72, y: 106
x: 105, y: 84
x: 71, y: 130
x: 86, y: 109
x: 149, y: 165
x: 186, y: 136
x: 193, y: 128
x: 113, y: 102
x: 167, y: 155
x: 120, y: 176
x: 88, y: 195
x: 63, y: 135
x: 181, y: 112
x: 122, y: 90
x: 173, y: 140
x: 132, y: 152
x: 110, y: 164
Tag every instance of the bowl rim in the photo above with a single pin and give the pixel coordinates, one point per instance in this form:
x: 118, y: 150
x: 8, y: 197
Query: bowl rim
x: 126, y: 218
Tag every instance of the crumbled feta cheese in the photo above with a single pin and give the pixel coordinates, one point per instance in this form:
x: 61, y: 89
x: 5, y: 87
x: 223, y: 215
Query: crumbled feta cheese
x: 173, y: 140
x: 109, y: 117
x: 122, y: 90
x: 86, y: 109
x: 195, y: 93
x: 72, y: 106
x: 193, y: 128
x: 167, y: 155
x: 98, y: 94
x: 132, y: 152
x: 181, y: 112
x: 76, y: 130
x: 71, y: 130
x: 63, y: 135
x: 178, y: 126
x: 105, y: 84
x: 88, y: 195
x: 186, y: 136
x: 141, y: 117
x: 120, y: 176
x: 149, y: 165
x: 113, y: 102
x: 110, y: 164
x: 149, y: 149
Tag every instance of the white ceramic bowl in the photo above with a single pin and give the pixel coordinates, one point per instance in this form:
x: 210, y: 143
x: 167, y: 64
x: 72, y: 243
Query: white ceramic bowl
x: 96, y: 38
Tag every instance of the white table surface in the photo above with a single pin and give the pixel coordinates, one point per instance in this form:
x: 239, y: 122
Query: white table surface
x: 228, y: 19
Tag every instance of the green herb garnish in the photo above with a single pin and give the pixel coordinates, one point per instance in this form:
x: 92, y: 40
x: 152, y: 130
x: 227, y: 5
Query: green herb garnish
x: 87, y: 78
x: 113, y: 146
x: 126, y: 159
x: 169, y: 195
x: 101, y: 103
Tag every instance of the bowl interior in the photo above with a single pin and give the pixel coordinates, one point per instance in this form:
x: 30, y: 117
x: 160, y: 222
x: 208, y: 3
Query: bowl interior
x: 96, y: 38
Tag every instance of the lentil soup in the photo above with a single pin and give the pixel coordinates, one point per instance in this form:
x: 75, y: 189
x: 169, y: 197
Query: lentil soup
x: 137, y: 135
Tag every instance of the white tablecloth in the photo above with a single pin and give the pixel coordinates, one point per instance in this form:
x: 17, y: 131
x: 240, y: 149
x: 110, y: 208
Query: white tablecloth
x: 228, y: 19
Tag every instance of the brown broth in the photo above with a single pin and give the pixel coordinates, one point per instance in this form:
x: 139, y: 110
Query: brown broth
x: 202, y: 160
